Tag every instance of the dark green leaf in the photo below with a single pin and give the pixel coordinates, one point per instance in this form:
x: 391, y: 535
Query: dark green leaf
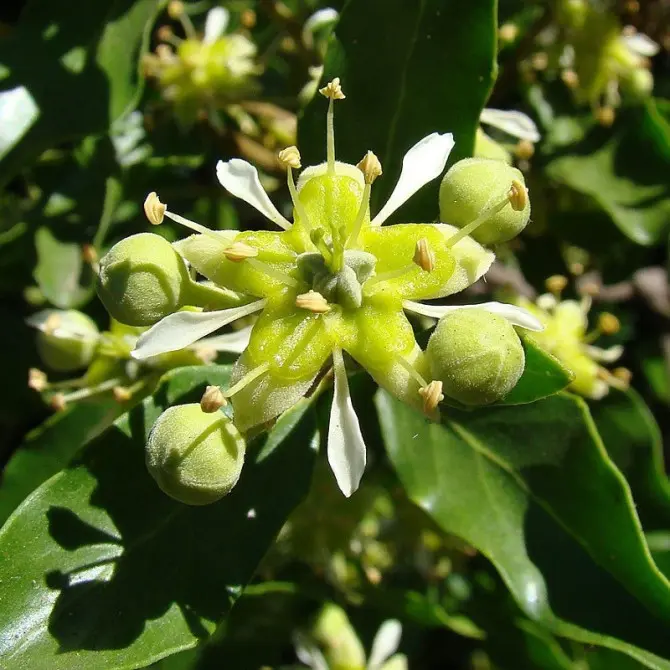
x: 403, y: 72
x: 625, y: 170
x: 543, y: 375
x: 69, y: 74
x: 633, y: 441
x: 532, y: 488
x: 100, y: 569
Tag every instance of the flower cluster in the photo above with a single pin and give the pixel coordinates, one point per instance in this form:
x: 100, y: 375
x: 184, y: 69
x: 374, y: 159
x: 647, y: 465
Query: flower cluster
x: 202, y: 73
x: 336, y: 280
x: 69, y: 341
x: 566, y: 335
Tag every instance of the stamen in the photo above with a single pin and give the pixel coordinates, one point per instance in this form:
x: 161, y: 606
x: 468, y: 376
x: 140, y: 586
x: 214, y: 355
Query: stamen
x: 166, y: 34
x: 432, y: 396
x: 371, y: 169
x: 290, y: 158
x: 482, y: 218
x: 59, y: 401
x: 412, y: 370
x: 624, y: 375
x: 177, y: 12
x: 267, y: 269
x: 518, y: 196
x: 212, y: 400
x: 608, y: 324
x: 239, y: 251
x: 424, y: 256
x: 556, y: 285
x: 332, y: 91
x: 247, y: 379
x: 37, y: 380
x: 618, y: 379
x: 312, y: 301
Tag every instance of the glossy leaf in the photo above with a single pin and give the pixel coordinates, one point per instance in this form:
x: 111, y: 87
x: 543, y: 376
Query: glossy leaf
x: 634, y: 443
x: 532, y: 488
x: 88, y: 55
x: 404, y: 76
x: 543, y: 375
x: 98, y: 568
x: 625, y: 170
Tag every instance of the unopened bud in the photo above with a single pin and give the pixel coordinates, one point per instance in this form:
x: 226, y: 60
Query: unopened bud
x: 37, y: 380
x: 239, y: 251
x: 290, y: 157
x: 212, y: 400
x: 432, y: 396
x: 333, y: 90
x: 424, y: 256
x: 57, y: 402
x: 154, y: 209
x: 556, y: 284
x: 608, y: 324
x: 518, y: 196
x: 312, y: 301
x: 370, y: 167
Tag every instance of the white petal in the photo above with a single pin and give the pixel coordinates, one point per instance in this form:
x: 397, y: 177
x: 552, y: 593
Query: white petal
x: 182, y: 329
x: 322, y: 17
x: 241, y: 179
x: 234, y: 343
x: 308, y: 653
x: 610, y: 355
x: 422, y: 163
x: 215, y: 24
x: 385, y: 644
x: 512, y: 122
x: 346, y: 449
x: 641, y: 44
x: 517, y: 316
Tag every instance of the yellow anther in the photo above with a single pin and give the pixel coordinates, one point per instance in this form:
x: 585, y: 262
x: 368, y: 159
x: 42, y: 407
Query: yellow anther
x: 570, y: 78
x: 164, y: 34
x: 432, y: 396
x: 518, y: 196
x: 212, y: 400
x: 623, y: 374
x: 508, y: 32
x: 121, y: 394
x: 605, y: 116
x: 370, y: 167
x: 312, y: 301
x: 248, y: 18
x: 154, y: 209
x: 524, y: 150
x: 52, y: 323
x: 332, y: 90
x: 424, y: 256
x: 89, y: 254
x: 556, y: 284
x: 57, y: 402
x: 175, y: 9
x: 290, y: 157
x: 608, y: 324
x: 239, y: 251
x: 37, y: 380
x: 539, y: 60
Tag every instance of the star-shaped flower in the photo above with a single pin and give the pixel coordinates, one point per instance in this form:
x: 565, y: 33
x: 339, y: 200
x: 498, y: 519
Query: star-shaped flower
x: 333, y: 281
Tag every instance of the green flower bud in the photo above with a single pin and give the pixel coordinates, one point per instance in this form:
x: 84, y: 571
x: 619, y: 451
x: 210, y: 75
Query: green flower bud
x: 142, y: 279
x: 488, y: 191
x: 67, y: 339
x: 196, y: 458
x: 476, y: 355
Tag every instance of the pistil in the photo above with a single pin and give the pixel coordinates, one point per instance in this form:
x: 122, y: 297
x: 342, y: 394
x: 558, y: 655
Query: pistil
x: 332, y: 91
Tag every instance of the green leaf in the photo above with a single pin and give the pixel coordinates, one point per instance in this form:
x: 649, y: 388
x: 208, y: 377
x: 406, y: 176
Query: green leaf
x: 634, y: 443
x: 70, y: 75
x: 98, y: 568
x: 625, y: 170
x: 403, y: 72
x: 543, y: 375
x: 532, y: 488
x: 49, y: 448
